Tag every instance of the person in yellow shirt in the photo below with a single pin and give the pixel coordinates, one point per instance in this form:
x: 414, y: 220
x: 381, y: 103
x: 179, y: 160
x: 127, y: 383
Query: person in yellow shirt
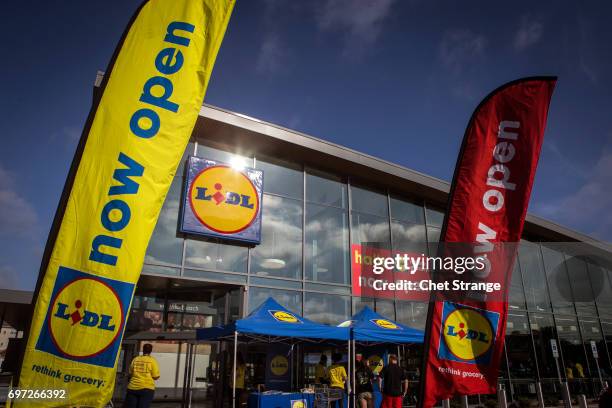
x: 241, y: 394
x: 321, y: 376
x: 337, y: 377
x: 144, y: 370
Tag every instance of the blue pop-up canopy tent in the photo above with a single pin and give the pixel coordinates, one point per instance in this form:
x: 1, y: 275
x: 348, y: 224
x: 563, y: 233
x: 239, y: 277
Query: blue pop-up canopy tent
x: 272, y: 322
x: 369, y: 326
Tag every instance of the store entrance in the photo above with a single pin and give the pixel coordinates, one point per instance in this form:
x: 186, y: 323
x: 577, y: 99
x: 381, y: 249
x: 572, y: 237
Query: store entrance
x: 166, y: 313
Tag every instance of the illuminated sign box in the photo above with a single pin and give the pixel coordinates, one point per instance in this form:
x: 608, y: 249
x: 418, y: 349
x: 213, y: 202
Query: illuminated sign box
x: 222, y: 201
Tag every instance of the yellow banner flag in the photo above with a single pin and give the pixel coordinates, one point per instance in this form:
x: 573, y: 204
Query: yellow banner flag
x: 149, y: 106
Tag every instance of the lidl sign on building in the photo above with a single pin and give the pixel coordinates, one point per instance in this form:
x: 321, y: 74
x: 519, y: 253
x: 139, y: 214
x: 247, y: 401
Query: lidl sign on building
x: 222, y: 201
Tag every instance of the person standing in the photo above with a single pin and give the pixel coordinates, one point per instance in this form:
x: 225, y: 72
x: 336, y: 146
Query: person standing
x: 144, y: 370
x: 337, y: 377
x: 363, y: 383
x: 241, y: 394
x: 321, y: 376
x: 580, y: 377
x: 393, y: 383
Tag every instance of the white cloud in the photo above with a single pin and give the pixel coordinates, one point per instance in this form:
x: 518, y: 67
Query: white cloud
x: 17, y: 215
x: 529, y: 32
x: 362, y: 20
x: 272, y: 54
x: 459, y: 48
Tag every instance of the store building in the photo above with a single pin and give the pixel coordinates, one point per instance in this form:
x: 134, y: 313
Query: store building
x: 319, y: 201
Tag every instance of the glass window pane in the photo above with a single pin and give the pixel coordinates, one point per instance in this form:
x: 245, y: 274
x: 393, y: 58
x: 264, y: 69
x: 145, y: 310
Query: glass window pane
x: 385, y: 308
x: 328, y: 309
x: 558, y: 282
x: 326, y: 244
x: 292, y: 300
x: 519, y: 347
x: 591, y: 333
x: 602, y: 284
x: 166, y: 247
x: 413, y: 314
x: 581, y: 286
x: 371, y: 229
x: 369, y: 201
x: 408, y: 238
x: 433, y: 237
x: 359, y: 303
x: 215, y: 256
x: 282, y: 179
x: 434, y: 217
x: 405, y: 210
x: 280, y: 251
x: 571, y: 344
x: 146, y: 314
x: 534, y: 277
x: 516, y: 296
x: 161, y: 270
x: 543, y: 330
x: 211, y: 153
x: 325, y: 190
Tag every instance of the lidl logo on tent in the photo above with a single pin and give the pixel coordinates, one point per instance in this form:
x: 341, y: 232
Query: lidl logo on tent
x: 285, y: 317
x: 222, y: 201
x: 385, y: 324
x: 85, y: 318
x: 467, y: 333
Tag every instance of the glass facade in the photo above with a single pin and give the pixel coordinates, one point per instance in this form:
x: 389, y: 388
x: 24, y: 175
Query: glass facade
x: 311, y: 219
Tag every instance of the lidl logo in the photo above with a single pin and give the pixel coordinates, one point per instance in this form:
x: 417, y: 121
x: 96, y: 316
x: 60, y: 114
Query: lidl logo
x: 222, y: 201
x: 86, y: 317
x: 467, y: 333
x: 301, y: 403
x: 284, y: 317
x: 376, y: 363
x: 279, y: 365
x: 385, y: 324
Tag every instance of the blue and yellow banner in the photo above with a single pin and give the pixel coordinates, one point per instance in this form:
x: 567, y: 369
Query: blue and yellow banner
x: 145, y: 117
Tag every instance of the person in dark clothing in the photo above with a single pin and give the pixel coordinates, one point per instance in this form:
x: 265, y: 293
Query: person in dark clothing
x: 363, y: 383
x: 393, y: 383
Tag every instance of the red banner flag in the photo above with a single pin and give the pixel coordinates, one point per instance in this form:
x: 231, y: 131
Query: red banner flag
x: 487, y: 207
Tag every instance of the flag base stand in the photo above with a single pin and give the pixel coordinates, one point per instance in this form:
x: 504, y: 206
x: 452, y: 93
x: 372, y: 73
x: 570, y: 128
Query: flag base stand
x: 501, y: 398
x: 567, y: 399
x: 540, y: 394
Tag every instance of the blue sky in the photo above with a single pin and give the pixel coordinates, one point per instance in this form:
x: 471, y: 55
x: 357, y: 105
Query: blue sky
x: 397, y: 79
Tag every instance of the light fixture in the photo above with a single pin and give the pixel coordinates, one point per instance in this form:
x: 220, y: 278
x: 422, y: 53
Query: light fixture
x: 273, y: 263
